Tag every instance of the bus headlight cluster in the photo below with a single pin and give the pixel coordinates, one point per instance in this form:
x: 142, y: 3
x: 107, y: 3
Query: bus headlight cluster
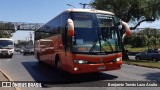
x: 80, y: 61
x: 117, y: 59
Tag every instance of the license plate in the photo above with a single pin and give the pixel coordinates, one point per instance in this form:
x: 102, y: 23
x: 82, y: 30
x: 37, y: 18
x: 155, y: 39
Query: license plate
x: 101, y: 67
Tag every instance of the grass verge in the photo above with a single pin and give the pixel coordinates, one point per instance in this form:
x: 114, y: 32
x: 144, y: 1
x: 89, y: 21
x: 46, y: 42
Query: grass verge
x: 148, y: 64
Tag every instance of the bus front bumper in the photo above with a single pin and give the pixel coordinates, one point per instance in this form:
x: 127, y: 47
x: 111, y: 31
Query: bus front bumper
x: 89, y: 68
x: 6, y: 53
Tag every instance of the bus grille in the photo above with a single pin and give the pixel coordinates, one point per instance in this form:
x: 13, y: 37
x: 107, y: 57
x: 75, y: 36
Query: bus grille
x: 4, y: 51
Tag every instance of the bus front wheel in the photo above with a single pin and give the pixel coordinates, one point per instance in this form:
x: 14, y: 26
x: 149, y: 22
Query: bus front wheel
x: 10, y: 56
x: 58, y: 65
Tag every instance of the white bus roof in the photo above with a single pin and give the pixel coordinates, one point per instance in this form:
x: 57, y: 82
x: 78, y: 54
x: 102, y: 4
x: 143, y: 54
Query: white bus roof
x: 89, y: 10
x: 6, y: 39
x: 83, y: 10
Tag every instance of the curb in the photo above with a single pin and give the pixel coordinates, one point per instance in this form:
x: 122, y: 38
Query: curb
x: 9, y: 78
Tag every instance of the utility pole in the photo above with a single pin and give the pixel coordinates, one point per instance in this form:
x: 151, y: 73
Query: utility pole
x: 84, y: 5
x: 30, y: 36
x: 26, y: 39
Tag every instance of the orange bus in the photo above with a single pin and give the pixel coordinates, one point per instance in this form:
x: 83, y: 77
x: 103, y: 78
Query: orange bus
x: 81, y: 41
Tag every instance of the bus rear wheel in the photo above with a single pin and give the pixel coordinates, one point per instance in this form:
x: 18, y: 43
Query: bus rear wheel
x: 38, y: 58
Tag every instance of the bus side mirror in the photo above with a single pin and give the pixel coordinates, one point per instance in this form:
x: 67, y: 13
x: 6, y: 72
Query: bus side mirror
x: 70, y: 31
x: 127, y: 29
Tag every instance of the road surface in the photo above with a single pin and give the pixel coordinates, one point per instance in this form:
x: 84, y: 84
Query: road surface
x: 26, y: 68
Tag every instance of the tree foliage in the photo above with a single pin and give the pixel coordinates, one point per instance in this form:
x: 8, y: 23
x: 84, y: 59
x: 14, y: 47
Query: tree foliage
x: 129, y: 10
x: 6, y: 30
x: 22, y: 43
x: 147, y: 37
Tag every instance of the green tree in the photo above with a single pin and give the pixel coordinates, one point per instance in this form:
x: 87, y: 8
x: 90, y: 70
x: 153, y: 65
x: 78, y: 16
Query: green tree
x: 149, y: 31
x: 146, y: 37
x: 21, y: 43
x: 6, y: 30
x: 130, y: 10
x: 139, y: 41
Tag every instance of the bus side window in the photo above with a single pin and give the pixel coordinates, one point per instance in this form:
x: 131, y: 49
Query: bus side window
x: 64, y: 19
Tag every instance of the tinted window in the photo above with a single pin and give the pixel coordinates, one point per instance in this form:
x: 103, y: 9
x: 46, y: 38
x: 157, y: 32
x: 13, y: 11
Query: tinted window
x: 64, y: 25
x: 149, y: 51
x: 53, y: 27
x: 155, y: 51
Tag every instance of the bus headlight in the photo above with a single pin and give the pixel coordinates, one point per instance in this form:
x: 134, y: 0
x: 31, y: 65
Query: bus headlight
x: 117, y: 59
x: 80, y: 61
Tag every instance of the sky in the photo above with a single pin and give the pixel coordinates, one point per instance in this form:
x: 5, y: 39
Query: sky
x: 155, y: 24
x: 40, y: 11
x: 33, y: 11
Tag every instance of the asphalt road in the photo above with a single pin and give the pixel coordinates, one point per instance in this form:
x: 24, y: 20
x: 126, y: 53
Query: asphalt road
x: 26, y: 68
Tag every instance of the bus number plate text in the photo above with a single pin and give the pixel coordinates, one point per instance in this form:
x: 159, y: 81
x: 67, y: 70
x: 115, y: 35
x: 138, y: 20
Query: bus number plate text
x: 101, y: 67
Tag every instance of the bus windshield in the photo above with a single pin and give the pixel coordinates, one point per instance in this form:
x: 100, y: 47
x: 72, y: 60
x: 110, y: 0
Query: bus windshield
x: 95, y: 33
x: 6, y: 44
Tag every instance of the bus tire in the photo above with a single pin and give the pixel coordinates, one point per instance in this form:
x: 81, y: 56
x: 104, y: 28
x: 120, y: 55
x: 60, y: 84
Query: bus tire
x: 10, y: 56
x: 59, y: 68
x: 24, y: 54
x: 38, y: 58
x: 58, y: 64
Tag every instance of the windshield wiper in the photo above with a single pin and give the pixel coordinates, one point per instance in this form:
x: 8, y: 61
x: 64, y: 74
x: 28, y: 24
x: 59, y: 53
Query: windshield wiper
x: 93, y: 45
x: 109, y: 44
x: 104, y: 37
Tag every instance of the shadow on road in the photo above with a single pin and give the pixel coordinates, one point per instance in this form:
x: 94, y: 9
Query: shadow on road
x: 50, y: 77
x: 153, y: 76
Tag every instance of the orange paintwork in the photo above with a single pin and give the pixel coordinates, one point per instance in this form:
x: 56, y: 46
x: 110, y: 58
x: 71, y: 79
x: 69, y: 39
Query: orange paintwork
x: 47, y: 49
x: 50, y: 47
x: 127, y: 29
x: 95, y: 63
x: 70, y: 27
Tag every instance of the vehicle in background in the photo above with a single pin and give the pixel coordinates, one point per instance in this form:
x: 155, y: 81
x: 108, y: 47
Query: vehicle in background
x: 153, y: 55
x: 81, y: 41
x: 22, y: 49
x: 6, y: 47
x: 28, y: 50
x: 17, y: 49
